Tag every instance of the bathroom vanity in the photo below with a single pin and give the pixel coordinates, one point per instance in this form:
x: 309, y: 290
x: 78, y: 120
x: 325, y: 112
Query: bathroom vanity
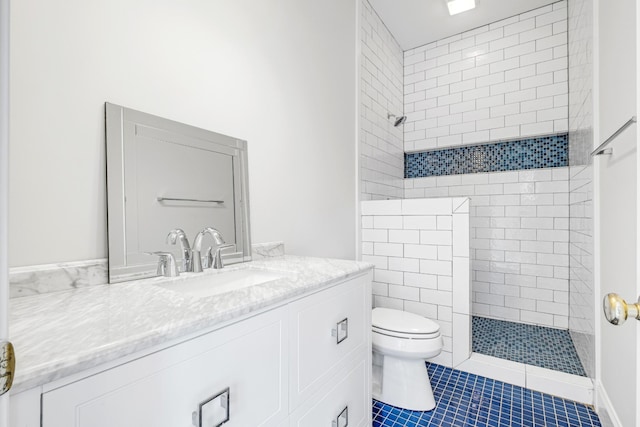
x: 293, y: 349
x: 280, y: 341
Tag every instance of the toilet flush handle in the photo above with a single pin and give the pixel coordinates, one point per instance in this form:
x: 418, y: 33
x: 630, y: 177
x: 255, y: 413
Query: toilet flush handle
x: 617, y: 310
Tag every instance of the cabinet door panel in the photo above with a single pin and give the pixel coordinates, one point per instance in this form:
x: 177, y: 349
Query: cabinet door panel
x: 321, y: 338
x: 163, y: 389
x: 347, y: 397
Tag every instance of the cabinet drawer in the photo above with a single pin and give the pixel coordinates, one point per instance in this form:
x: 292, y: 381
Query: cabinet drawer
x: 346, y: 400
x: 165, y: 388
x: 325, y: 329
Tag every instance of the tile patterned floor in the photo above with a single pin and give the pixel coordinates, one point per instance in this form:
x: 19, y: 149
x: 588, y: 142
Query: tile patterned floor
x: 467, y: 400
x: 534, y: 345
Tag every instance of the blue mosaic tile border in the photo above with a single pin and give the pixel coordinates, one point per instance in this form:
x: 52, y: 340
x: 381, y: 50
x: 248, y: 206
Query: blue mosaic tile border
x: 530, y: 153
x: 468, y: 400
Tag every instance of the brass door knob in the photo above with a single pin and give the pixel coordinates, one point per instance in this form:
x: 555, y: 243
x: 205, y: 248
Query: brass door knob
x: 617, y: 310
x: 7, y: 366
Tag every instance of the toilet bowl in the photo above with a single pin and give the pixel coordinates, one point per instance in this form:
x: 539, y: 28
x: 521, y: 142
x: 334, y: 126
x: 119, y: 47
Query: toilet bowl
x: 401, y: 343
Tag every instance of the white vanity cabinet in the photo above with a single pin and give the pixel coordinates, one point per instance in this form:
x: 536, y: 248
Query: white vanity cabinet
x: 344, y: 404
x: 244, y: 365
x: 326, y: 330
x: 303, y: 363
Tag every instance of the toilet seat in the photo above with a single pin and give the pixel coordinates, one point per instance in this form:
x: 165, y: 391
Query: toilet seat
x: 405, y: 335
x: 401, y: 324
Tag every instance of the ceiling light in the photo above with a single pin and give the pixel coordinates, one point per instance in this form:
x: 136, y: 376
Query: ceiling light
x: 459, y: 6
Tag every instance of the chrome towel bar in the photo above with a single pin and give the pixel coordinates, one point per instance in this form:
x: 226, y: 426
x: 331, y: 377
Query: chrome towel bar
x: 601, y: 148
x: 174, y: 199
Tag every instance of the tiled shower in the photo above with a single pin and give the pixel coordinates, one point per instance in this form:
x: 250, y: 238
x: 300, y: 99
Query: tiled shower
x: 493, y: 115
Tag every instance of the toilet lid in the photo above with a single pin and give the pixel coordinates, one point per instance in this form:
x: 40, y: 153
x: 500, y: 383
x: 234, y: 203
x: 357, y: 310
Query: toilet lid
x: 402, y: 322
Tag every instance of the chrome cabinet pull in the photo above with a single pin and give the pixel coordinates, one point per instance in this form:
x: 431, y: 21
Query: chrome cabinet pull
x: 341, y: 331
x: 342, y: 420
x: 212, y: 412
x: 617, y: 310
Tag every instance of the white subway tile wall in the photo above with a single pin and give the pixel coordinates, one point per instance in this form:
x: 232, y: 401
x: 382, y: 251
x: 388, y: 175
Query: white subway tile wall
x: 500, y: 81
x: 519, y: 241
x: 381, y: 144
x: 420, y: 249
x: 581, y: 142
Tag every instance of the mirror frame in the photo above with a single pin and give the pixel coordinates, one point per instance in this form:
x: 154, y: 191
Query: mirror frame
x: 115, y: 118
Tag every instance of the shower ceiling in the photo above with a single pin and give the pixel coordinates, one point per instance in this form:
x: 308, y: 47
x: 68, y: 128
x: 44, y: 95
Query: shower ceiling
x: 414, y: 23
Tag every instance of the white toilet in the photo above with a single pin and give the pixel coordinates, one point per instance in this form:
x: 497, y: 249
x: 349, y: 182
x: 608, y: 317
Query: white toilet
x: 401, y: 343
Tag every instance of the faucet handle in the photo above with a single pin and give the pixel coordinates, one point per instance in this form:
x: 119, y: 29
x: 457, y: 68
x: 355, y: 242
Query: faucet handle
x: 166, y: 264
x: 208, y: 258
x: 210, y: 255
x: 215, y: 261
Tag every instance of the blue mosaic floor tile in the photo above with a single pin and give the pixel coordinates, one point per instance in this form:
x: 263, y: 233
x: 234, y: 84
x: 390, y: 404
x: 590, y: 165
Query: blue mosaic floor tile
x: 534, y: 345
x: 467, y: 400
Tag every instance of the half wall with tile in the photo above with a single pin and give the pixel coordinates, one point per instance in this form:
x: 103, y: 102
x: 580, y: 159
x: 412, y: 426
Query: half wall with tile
x: 420, y: 249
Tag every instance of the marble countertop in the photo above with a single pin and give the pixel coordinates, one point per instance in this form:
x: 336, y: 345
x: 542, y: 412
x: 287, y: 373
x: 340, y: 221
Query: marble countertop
x: 62, y: 333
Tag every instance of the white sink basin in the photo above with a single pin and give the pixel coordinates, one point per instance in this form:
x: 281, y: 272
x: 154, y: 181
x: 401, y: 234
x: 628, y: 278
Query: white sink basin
x: 207, y: 285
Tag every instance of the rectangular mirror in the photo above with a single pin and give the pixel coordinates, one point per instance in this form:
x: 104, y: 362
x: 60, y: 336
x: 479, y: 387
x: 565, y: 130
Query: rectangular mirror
x: 163, y: 175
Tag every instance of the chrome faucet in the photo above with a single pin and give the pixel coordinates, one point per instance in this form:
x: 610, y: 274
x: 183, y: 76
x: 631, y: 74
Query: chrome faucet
x: 211, y: 260
x: 191, y: 257
x: 177, y: 235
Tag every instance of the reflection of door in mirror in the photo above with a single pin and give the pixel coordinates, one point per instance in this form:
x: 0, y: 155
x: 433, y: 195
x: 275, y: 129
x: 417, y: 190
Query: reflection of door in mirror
x: 164, y: 175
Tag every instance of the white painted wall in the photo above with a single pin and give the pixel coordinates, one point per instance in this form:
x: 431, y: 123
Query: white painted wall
x: 281, y: 75
x: 381, y: 144
x: 503, y: 80
x: 617, y: 195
